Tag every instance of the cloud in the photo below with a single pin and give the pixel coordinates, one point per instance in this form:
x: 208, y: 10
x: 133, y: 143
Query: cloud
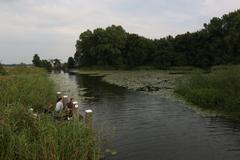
x: 219, y: 7
x: 50, y: 28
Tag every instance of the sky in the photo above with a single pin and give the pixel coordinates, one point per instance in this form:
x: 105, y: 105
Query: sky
x: 50, y: 28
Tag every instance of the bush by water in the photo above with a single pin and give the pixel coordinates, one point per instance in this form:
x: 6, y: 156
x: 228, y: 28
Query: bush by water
x: 218, y: 90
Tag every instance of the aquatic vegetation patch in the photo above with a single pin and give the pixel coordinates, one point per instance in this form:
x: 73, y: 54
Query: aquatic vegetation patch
x: 157, y: 82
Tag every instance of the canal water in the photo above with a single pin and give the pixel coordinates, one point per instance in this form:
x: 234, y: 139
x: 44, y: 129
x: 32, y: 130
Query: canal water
x: 146, y: 127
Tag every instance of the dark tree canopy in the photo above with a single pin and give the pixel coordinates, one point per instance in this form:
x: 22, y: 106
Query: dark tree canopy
x: 217, y: 43
x: 41, y: 63
x: 71, y: 62
x: 36, y: 60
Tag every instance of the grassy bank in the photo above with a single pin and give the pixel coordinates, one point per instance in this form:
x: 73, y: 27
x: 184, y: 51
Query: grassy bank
x: 2, y: 70
x: 34, y: 135
x: 218, y: 90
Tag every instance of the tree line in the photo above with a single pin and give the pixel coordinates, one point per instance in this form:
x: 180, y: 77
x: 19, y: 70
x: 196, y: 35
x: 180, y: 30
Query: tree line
x: 53, y: 64
x: 217, y: 43
x: 48, y: 64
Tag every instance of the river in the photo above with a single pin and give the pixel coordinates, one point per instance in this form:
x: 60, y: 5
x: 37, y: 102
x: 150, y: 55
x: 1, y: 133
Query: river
x: 147, y: 127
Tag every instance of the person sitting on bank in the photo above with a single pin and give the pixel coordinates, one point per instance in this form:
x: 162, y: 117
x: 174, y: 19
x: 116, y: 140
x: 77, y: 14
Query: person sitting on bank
x: 69, y: 108
x: 59, y: 105
x: 49, y: 108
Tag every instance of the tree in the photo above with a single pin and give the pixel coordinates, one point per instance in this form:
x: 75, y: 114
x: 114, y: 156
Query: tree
x: 41, y: 63
x: 71, y: 62
x: 56, y: 64
x: 36, y: 60
x: 46, y: 64
x: 217, y: 43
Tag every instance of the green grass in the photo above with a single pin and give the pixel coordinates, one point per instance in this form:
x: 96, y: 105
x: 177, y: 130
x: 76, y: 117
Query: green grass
x: 2, y: 70
x: 25, y: 136
x: 218, y: 90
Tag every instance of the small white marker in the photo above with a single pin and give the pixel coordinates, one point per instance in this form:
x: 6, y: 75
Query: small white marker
x: 88, y: 111
x: 75, y: 102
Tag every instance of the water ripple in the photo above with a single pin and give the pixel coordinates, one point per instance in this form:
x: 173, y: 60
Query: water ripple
x: 145, y: 127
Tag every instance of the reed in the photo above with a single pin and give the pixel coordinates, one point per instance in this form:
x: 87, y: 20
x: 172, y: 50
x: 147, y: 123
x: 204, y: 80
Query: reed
x: 26, y: 134
x: 2, y: 70
x: 218, y: 90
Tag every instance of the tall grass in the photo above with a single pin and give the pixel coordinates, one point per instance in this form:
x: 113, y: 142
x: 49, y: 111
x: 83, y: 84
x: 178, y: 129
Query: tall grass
x: 218, y: 90
x: 24, y: 135
x: 2, y: 70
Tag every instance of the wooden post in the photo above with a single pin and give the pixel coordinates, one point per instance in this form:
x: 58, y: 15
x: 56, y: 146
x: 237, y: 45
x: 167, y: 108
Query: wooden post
x: 89, y: 118
x: 75, y: 111
x: 65, y: 101
x: 59, y: 94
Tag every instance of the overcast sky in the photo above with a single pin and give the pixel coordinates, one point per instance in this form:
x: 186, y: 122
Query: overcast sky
x: 50, y: 28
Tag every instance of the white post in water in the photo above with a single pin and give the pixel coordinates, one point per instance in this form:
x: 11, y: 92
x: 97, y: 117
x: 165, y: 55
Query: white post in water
x: 65, y: 101
x: 89, y: 118
x: 59, y: 94
x: 75, y: 111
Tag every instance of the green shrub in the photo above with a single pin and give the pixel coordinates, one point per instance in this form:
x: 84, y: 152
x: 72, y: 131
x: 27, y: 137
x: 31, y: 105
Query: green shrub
x: 218, y: 90
x: 206, y: 98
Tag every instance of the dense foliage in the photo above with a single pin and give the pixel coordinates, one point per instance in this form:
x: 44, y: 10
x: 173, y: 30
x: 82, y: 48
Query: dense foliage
x: 217, y: 43
x: 41, y: 63
x: 218, y: 90
x: 26, y: 134
x: 71, y: 62
x: 48, y: 64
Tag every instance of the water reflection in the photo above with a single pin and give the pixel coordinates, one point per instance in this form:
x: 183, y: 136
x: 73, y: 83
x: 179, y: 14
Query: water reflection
x: 96, y: 87
x: 152, y: 128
